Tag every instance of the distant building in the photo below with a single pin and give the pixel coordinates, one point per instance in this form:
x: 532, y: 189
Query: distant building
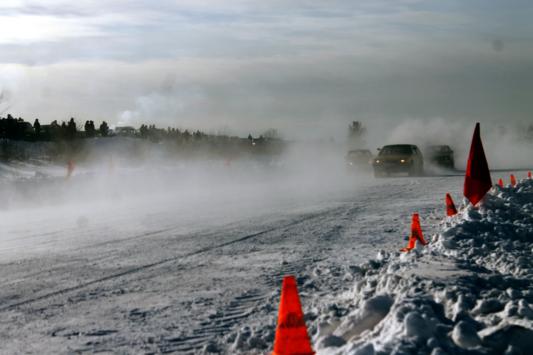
x: 26, y: 127
x: 125, y: 131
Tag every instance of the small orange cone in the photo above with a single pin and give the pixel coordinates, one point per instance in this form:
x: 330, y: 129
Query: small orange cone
x: 410, y: 244
x: 450, y: 206
x: 500, y: 182
x: 70, y: 168
x: 291, y: 333
x: 416, y: 234
x: 513, y: 180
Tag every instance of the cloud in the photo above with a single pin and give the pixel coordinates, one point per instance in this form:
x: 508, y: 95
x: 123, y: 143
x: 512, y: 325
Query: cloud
x: 304, y: 67
x: 27, y: 29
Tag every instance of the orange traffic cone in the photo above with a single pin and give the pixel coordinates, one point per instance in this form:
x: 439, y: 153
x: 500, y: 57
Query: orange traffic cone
x: 513, y: 180
x: 291, y: 333
x: 416, y: 234
x: 70, y: 168
x: 500, y: 182
x: 529, y: 175
x: 477, y: 176
x: 410, y: 244
x: 450, y: 206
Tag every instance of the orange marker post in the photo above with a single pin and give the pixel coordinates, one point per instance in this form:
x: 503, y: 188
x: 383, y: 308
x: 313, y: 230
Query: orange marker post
x: 513, y: 180
x: 70, y: 168
x: 291, y: 332
x: 500, y: 182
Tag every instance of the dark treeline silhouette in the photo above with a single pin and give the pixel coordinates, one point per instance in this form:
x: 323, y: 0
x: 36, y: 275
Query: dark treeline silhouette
x: 17, y: 129
x: 69, y: 137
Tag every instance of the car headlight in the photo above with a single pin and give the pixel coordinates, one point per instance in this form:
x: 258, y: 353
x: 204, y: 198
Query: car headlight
x: 402, y: 160
x: 377, y: 161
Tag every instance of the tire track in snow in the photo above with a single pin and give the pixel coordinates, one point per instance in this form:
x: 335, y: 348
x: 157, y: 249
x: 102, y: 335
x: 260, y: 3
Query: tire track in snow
x: 217, y: 324
x: 157, y: 263
x: 242, y: 306
x: 232, y: 314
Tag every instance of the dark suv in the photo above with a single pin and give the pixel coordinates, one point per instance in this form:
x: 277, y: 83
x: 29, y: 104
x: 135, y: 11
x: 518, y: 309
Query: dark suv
x: 440, y: 155
x: 398, y: 158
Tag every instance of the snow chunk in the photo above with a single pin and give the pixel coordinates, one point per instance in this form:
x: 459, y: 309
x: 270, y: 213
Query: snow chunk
x: 465, y: 335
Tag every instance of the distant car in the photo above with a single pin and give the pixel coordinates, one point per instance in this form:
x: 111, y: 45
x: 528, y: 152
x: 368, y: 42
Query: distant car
x: 440, y: 155
x: 359, y: 158
x: 399, y: 158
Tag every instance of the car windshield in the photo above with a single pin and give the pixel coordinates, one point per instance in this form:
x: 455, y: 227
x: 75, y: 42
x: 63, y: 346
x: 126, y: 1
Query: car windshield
x: 396, y: 149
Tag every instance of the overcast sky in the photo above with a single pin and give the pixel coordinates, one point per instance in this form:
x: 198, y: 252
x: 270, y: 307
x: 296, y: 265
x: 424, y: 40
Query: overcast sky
x: 305, y: 67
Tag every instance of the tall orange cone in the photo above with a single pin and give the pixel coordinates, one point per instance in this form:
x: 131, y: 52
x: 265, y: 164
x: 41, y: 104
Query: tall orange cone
x: 291, y: 333
x: 500, y: 182
x: 450, y: 206
x: 416, y: 234
x: 477, y: 177
x: 529, y: 175
x: 513, y: 180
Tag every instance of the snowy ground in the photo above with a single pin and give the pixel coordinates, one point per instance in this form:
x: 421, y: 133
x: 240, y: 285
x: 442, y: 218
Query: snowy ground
x: 138, y: 269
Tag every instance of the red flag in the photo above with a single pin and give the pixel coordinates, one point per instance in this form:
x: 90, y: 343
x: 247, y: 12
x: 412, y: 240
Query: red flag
x: 291, y: 333
x: 477, y: 177
x: 450, y: 206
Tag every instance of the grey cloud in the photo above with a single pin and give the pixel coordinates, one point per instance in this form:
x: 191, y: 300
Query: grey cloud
x: 251, y: 94
x: 304, y: 67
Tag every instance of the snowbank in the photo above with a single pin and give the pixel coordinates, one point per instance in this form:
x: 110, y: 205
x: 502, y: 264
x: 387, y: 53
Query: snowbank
x: 470, y: 291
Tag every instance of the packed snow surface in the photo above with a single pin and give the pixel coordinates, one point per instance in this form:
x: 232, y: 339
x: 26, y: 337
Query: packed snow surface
x: 173, y: 260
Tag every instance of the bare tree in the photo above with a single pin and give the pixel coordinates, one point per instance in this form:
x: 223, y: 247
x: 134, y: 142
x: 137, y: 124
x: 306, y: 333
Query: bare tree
x: 356, y: 134
x: 4, y: 104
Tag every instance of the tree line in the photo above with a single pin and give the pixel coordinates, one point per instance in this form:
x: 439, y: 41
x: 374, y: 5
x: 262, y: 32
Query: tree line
x: 18, y: 129
x: 68, y: 139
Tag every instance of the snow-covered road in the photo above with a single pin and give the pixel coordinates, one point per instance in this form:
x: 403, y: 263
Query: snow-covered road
x: 149, y: 275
